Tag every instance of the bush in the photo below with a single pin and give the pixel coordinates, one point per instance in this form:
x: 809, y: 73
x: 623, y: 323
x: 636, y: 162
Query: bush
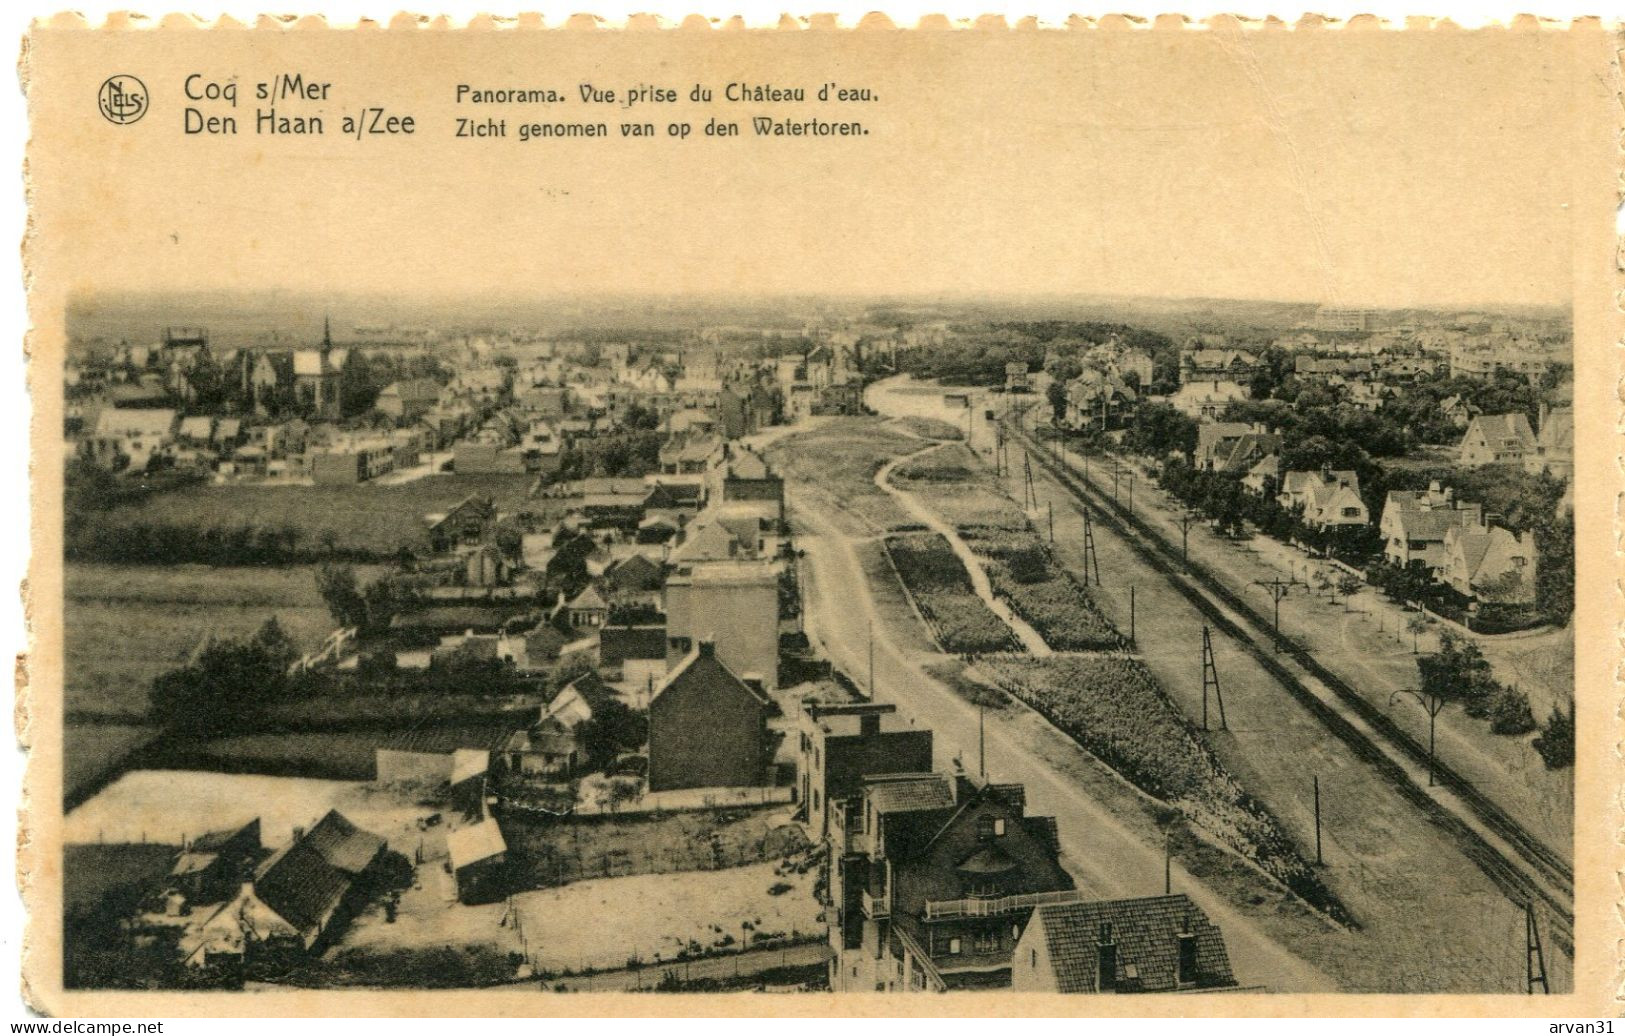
x: 1509, y: 712
x: 1115, y: 709
x: 1556, y: 741
x: 941, y: 589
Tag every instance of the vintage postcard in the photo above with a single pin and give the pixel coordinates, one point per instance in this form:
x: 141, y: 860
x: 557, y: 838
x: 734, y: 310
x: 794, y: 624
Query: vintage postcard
x: 1112, y: 519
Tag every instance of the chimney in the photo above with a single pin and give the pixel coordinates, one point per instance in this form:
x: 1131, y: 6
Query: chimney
x: 869, y: 724
x: 707, y: 648
x: 298, y: 834
x: 1106, y: 970
x: 1187, y: 954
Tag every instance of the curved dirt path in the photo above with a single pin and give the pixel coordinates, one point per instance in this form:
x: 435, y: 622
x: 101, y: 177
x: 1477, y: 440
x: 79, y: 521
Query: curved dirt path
x: 973, y: 565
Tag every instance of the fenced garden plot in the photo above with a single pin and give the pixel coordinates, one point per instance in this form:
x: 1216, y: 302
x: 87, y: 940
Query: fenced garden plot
x: 941, y: 589
x: 1114, y: 708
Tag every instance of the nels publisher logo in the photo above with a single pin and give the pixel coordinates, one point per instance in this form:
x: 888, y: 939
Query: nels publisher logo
x: 123, y: 100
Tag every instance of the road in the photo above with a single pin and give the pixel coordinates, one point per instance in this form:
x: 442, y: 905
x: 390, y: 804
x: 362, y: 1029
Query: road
x: 1103, y: 856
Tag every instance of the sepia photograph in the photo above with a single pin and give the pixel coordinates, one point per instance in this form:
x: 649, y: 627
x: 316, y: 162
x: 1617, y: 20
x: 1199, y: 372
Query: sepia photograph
x: 1103, y: 522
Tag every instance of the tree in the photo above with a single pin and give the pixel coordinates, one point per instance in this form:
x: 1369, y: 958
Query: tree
x: 1510, y: 713
x: 1555, y: 744
x: 337, y: 586
x: 614, y: 727
x: 1347, y: 586
x: 1056, y: 394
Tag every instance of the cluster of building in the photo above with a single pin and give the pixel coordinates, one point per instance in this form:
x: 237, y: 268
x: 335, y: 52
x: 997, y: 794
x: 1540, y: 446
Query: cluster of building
x: 943, y: 881
x: 516, y: 406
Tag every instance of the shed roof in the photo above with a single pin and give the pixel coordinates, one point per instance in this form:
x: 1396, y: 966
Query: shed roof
x: 475, y: 843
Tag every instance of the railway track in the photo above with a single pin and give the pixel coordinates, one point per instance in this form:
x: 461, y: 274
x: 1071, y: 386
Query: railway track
x: 1523, y: 866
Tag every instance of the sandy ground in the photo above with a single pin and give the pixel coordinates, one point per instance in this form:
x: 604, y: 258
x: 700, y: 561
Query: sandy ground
x: 170, y: 805
x: 598, y: 924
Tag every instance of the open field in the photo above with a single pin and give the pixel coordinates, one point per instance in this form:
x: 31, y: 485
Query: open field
x: 125, y: 624
x: 839, y: 460
x: 173, y: 805
x: 368, y: 518
x: 602, y: 924
x: 955, y: 484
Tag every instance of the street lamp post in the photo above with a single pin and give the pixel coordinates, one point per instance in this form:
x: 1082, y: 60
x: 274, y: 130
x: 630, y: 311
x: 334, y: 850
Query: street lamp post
x: 1434, y: 705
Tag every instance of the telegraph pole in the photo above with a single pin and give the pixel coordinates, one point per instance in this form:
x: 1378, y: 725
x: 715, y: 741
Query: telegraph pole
x: 981, y: 740
x: 1210, y: 678
x: 1131, y: 491
x: 1052, y: 521
x: 1185, y: 520
x: 1434, y: 705
x: 1167, y: 863
x: 1131, y: 637
x: 1277, y: 589
x: 1089, y: 548
x: 871, y: 660
x: 1318, y: 858
x: 1534, y: 957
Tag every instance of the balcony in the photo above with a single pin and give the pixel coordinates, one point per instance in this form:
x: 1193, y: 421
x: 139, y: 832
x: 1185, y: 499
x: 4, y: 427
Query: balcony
x: 875, y: 907
x: 942, y: 910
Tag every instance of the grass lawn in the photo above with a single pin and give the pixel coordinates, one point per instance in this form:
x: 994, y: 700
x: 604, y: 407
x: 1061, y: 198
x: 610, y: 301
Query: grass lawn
x: 368, y: 516
x: 91, y: 750
x: 124, y: 625
x: 840, y: 458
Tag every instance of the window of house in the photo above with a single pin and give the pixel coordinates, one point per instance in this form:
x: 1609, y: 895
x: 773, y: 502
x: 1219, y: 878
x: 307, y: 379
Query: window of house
x: 1035, y: 957
x: 998, y: 827
x: 984, y: 829
x: 953, y: 945
x: 986, y: 942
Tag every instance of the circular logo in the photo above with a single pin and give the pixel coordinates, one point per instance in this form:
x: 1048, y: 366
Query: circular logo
x: 123, y: 100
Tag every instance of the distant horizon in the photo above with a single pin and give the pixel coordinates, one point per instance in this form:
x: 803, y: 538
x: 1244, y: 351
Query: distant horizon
x: 216, y: 296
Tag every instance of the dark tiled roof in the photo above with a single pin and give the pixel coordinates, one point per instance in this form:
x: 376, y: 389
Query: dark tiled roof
x: 213, y: 841
x: 1146, y: 933
x: 912, y: 794
x: 446, y: 739
x: 593, y: 690
x: 342, y: 844
x: 300, y: 885
x: 618, y: 644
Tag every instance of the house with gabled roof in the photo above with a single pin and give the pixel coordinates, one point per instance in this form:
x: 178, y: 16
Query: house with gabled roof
x: 297, y: 899
x: 1497, y: 439
x: 1414, y: 524
x: 1489, y: 564
x: 1324, y: 499
x: 933, y: 878
x: 708, y: 727
x: 214, y: 864
x: 1554, y: 444
x: 1155, y: 944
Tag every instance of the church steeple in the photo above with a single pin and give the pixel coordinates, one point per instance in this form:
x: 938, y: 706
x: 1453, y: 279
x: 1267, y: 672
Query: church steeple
x: 327, y: 332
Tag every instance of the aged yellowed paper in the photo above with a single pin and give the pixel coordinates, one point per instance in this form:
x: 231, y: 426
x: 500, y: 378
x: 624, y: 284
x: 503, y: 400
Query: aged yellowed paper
x: 1110, y: 520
